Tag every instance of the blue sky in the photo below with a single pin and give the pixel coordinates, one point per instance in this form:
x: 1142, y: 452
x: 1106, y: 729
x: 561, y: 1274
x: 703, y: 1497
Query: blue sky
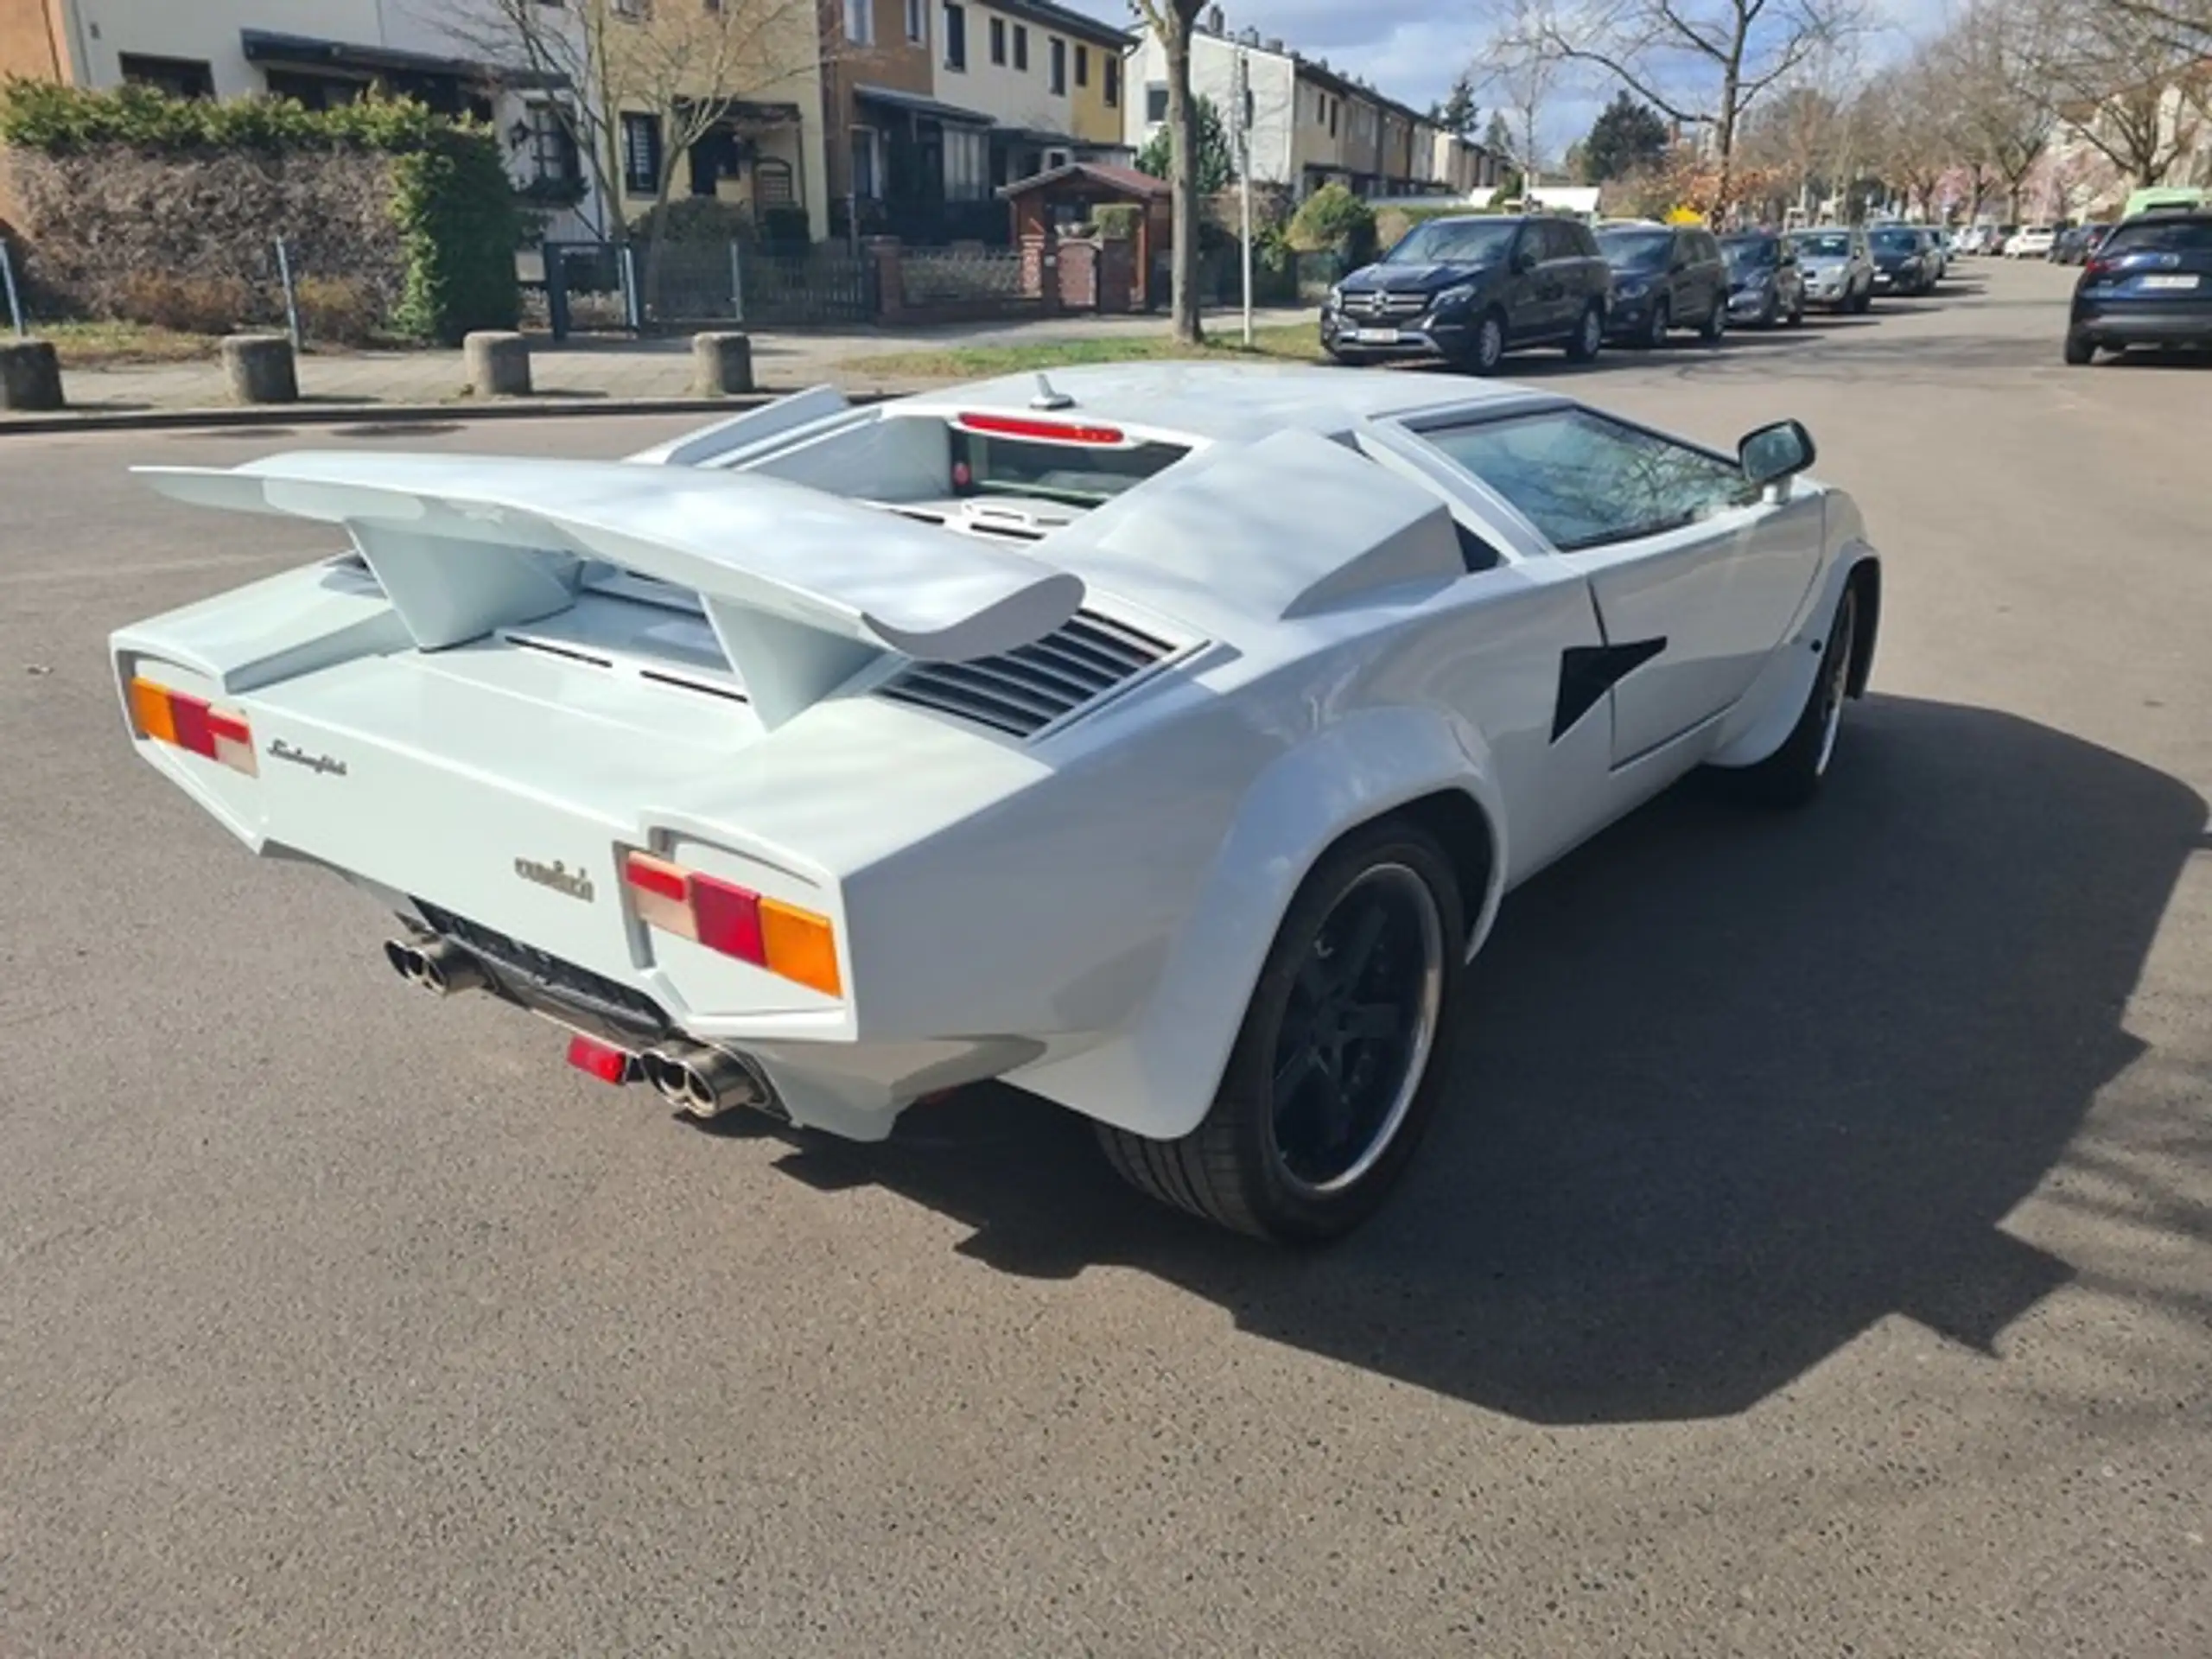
x: 1411, y: 50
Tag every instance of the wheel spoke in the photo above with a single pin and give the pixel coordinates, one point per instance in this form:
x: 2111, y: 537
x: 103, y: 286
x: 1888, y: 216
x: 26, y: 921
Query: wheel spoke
x: 1373, y: 1021
x: 1292, y: 1074
x: 1360, y: 948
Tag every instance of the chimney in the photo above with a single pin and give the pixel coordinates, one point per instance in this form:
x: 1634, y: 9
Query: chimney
x: 1215, y: 23
x: 1273, y: 44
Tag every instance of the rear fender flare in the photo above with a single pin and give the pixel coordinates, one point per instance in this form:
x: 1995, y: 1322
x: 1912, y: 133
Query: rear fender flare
x: 1159, y: 1074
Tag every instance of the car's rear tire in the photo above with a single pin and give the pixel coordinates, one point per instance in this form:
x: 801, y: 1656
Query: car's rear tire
x: 1863, y: 302
x: 1655, y: 331
x: 1486, y: 350
x: 1589, y: 336
x: 2079, y: 348
x: 1343, y: 1053
x: 1792, y: 775
x: 1797, y: 312
x: 1716, y: 323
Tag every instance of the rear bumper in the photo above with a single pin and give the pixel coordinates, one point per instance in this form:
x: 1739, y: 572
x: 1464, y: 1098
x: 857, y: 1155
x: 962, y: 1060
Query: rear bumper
x: 2159, y: 322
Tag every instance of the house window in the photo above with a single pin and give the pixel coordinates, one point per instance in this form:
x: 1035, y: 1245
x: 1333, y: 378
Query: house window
x: 1332, y: 117
x: 553, y: 158
x: 956, y: 36
x: 1083, y: 66
x: 1113, y: 68
x: 1155, y: 102
x: 1021, y: 47
x: 641, y: 154
x: 1059, y: 76
x: 860, y: 22
x: 917, y: 19
x: 867, y: 169
x: 998, y: 41
x: 967, y: 164
x: 174, y: 77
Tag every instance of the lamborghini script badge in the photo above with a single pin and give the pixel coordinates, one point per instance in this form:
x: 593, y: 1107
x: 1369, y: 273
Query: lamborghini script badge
x: 556, y: 875
x: 280, y: 750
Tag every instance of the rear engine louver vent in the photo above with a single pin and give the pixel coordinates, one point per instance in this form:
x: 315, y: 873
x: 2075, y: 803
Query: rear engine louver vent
x: 1024, y: 690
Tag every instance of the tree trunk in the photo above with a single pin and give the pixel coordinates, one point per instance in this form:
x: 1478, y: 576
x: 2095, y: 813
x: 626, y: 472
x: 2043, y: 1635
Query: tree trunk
x: 1183, y: 180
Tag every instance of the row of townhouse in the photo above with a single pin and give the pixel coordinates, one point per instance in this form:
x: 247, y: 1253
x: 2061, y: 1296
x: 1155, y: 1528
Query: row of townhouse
x: 1310, y: 126
x: 898, y: 115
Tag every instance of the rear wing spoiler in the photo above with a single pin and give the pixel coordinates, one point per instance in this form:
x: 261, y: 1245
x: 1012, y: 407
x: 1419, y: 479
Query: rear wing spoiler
x: 802, y: 589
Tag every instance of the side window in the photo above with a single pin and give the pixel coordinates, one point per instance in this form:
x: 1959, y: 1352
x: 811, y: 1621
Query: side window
x: 1584, y: 480
x: 1553, y: 242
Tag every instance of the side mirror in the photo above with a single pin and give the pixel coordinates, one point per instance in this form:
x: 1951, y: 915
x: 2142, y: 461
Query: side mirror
x: 1524, y: 260
x: 1775, y: 453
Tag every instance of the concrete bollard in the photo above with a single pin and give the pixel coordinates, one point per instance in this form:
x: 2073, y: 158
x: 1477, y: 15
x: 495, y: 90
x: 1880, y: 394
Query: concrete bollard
x: 260, y: 370
x: 721, y: 363
x: 30, y: 375
x: 499, y: 364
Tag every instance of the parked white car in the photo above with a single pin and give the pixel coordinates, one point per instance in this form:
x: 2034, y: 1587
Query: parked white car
x: 1161, y: 739
x: 2034, y: 242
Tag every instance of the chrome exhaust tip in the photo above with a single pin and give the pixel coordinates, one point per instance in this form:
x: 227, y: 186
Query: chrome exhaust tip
x: 437, y: 965
x: 706, y: 1081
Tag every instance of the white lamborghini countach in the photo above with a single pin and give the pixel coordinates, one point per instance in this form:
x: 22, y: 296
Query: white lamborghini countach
x: 1158, y: 739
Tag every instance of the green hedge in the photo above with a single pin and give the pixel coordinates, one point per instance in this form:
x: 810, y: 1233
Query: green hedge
x: 452, y: 206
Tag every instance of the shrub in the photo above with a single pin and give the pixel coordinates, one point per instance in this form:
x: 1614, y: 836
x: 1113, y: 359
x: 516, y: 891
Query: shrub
x: 337, y: 310
x: 787, y: 227
x: 1117, y: 221
x: 694, y: 218
x: 451, y: 201
x: 1334, y: 219
x: 189, y: 305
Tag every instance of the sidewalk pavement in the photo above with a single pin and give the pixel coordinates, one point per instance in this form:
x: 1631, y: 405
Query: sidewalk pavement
x: 614, y: 371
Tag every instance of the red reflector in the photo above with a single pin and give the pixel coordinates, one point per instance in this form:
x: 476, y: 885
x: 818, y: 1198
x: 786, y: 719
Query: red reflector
x: 603, y: 1060
x: 193, y: 731
x: 649, y: 874
x: 1014, y: 426
x: 728, y: 919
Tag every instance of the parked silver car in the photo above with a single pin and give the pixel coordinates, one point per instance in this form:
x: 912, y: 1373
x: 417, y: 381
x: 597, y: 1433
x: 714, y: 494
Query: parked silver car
x: 1838, y: 267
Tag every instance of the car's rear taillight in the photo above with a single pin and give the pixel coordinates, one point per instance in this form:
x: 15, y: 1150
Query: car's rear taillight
x: 2096, y: 269
x: 188, y: 722
x: 791, y: 943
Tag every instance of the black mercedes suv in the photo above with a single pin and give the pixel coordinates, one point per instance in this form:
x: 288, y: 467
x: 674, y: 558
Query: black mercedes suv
x: 1472, y: 290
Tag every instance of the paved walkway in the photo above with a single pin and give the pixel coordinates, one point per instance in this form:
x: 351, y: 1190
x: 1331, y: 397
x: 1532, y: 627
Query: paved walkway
x: 619, y: 370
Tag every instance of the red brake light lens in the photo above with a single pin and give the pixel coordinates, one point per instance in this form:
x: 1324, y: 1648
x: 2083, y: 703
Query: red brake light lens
x: 187, y: 722
x: 601, y: 1060
x: 1014, y: 426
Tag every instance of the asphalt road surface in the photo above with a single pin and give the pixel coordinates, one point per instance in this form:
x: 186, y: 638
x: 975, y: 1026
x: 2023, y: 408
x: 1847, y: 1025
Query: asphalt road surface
x: 1816, y: 1257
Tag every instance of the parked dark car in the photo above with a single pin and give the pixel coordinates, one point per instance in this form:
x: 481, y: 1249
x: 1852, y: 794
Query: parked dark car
x: 2077, y: 244
x: 1766, y: 286
x: 1901, y: 264
x: 2149, y: 284
x: 1471, y: 289
x: 1664, y: 276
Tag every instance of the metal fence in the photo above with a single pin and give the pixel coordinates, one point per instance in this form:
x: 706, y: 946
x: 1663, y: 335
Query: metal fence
x: 940, y: 275
x: 599, y: 285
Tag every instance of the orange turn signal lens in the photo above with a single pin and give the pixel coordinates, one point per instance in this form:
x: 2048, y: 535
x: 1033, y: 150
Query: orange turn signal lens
x: 801, y: 946
x: 150, y: 707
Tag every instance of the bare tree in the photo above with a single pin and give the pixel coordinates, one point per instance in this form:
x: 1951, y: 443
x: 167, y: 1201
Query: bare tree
x: 682, y: 63
x: 1519, y: 68
x: 1987, y: 62
x: 1704, y: 62
x: 1172, y: 23
x: 2125, y: 80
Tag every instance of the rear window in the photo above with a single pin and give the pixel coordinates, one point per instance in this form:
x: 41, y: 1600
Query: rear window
x: 2161, y: 236
x: 1080, y: 473
x: 1637, y: 250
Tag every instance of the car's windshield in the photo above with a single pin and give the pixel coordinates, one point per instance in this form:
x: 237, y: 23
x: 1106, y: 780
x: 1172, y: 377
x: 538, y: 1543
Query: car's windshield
x: 1635, y: 249
x: 1453, y: 242
x: 1825, y: 244
x: 1082, y: 474
x: 1894, y: 241
x: 2159, y: 236
x: 1750, y: 252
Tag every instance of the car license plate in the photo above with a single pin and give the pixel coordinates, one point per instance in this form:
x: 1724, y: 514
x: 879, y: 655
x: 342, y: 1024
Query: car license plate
x: 1376, y: 336
x: 2169, y: 282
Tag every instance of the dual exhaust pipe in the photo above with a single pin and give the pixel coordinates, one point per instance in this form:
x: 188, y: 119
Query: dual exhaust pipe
x: 702, y: 1081
x: 436, y: 965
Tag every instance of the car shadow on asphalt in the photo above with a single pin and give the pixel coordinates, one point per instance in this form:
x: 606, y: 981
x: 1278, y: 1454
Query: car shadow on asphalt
x: 1734, y: 1086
